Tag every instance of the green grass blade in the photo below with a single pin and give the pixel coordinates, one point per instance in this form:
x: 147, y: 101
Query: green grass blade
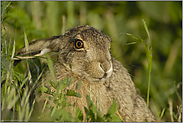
x: 147, y: 31
x: 162, y: 113
x: 32, y: 108
x: 26, y: 42
x: 131, y: 43
x: 50, y: 65
x: 149, y: 61
x: 13, y: 51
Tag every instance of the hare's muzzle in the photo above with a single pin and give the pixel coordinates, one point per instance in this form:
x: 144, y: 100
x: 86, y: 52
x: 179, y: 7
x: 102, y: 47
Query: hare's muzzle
x: 99, y: 71
x: 107, y: 68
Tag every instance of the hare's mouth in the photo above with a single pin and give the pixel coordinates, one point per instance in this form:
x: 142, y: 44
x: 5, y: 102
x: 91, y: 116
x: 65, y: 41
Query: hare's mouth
x: 105, y: 76
x: 97, y: 80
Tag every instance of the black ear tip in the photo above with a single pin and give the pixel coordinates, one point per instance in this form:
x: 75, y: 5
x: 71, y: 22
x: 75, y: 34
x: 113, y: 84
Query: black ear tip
x: 16, y: 62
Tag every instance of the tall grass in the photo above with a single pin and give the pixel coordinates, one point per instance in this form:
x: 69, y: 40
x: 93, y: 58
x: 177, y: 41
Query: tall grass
x: 15, y: 89
x: 44, y: 19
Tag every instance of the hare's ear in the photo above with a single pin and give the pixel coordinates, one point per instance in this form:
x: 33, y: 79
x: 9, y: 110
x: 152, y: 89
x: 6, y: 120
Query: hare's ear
x: 38, y: 48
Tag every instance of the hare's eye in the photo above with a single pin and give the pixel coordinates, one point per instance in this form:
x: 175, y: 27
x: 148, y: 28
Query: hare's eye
x: 78, y: 44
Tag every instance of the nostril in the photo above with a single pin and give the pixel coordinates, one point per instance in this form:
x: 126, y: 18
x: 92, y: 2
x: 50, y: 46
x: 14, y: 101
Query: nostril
x: 101, y: 66
x: 105, y: 75
x: 104, y: 66
x: 106, y: 69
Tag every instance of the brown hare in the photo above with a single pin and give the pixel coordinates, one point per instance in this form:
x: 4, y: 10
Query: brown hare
x: 84, y: 54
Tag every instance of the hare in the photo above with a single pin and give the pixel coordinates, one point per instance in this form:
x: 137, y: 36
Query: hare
x: 87, y: 50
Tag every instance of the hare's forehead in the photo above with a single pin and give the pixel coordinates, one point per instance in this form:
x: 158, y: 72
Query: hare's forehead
x: 98, y: 40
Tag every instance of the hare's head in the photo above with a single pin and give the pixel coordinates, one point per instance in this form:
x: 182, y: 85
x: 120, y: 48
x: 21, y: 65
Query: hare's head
x: 84, y: 48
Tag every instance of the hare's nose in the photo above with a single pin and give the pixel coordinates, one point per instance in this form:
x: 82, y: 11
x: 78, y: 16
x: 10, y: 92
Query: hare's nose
x: 105, y: 65
x: 107, y: 68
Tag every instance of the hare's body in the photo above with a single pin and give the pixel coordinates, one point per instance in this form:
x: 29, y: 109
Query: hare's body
x: 87, y: 51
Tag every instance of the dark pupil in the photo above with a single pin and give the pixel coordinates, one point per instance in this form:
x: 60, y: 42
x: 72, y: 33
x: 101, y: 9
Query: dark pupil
x: 79, y: 44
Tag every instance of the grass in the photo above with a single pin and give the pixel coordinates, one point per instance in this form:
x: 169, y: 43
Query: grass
x: 148, y: 50
x: 14, y: 95
x: 44, y: 19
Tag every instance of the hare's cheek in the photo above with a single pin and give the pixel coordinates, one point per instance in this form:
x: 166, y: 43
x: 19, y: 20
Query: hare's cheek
x: 77, y: 67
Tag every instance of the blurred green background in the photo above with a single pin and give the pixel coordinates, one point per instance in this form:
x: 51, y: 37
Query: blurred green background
x: 43, y: 19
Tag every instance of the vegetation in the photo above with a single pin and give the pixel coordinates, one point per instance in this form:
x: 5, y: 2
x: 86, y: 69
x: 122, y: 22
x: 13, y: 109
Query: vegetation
x: 159, y: 80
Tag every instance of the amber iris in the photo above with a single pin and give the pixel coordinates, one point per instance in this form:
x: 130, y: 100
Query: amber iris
x: 78, y: 44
